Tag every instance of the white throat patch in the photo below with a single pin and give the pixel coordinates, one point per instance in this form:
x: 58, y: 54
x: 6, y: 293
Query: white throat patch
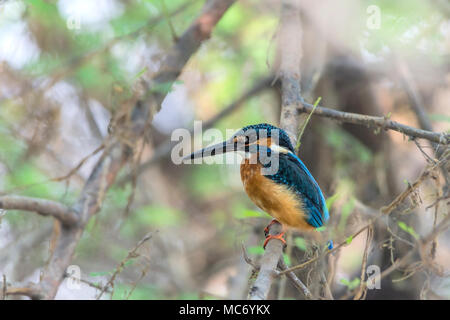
x: 279, y: 149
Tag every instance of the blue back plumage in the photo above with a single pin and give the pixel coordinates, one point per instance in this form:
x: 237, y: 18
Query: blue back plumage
x: 294, y: 174
x: 326, y: 215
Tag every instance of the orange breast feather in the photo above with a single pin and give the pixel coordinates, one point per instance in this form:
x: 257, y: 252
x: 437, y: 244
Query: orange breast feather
x: 277, y: 200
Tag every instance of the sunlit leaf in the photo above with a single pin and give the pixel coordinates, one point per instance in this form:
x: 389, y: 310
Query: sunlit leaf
x: 349, y: 240
x: 287, y: 259
x: 350, y: 284
x: 408, y: 229
x: 330, y: 200
x: 300, y: 243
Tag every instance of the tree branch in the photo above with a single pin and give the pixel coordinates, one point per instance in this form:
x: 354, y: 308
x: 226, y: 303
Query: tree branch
x: 117, y: 153
x: 267, y: 271
x: 417, y: 105
x: 421, y: 242
x: 290, y: 51
x: 386, y: 210
x: 374, y: 122
x: 41, y: 206
x: 296, y: 281
x: 164, y: 149
x: 131, y: 255
x: 30, y: 292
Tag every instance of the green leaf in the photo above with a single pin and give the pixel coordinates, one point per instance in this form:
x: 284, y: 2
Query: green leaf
x: 402, y: 225
x: 300, y: 243
x: 349, y: 240
x: 329, y: 202
x: 306, y: 123
x: 256, y: 250
x: 287, y: 259
x: 247, y: 213
x: 232, y: 20
x: 350, y: 284
x: 140, y: 73
x: 243, y: 214
x: 408, y: 229
x: 128, y: 263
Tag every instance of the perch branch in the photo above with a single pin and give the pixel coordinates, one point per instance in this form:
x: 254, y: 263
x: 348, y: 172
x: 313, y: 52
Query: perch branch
x: 267, y: 271
x: 290, y: 51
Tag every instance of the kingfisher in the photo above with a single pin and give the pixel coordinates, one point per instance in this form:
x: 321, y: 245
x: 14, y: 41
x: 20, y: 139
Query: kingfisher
x: 275, y: 179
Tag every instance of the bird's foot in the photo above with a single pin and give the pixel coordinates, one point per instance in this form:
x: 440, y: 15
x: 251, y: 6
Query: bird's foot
x: 266, y: 229
x: 269, y: 236
x: 279, y: 236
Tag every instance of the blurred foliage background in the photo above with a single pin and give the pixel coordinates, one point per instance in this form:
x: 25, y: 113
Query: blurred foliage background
x: 67, y: 66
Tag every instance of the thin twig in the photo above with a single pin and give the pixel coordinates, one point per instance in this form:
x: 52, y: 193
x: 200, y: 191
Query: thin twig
x: 441, y: 227
x: 296, y: 281
x: 418, y: 107
x: 5, y: 285
x: 89, y: 283
x: 131, y: 255
x: 79, y: 165
x: 361, y: 293
x: 386, y: 210
x: 306, y: 123
x: 342, y: 244
x: 248, y: 260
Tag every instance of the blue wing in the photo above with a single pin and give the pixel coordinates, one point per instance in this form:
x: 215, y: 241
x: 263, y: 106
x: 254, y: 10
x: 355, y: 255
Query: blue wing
x: 294, y: 174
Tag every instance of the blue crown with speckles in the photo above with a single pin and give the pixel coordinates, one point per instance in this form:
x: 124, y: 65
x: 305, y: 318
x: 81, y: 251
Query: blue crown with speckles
x: 284, y: 140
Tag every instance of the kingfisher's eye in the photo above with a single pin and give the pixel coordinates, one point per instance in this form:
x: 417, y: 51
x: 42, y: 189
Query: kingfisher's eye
x: 247, y: 140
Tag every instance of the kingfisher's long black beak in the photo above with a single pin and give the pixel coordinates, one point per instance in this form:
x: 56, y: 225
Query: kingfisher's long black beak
x: 219, y: 148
